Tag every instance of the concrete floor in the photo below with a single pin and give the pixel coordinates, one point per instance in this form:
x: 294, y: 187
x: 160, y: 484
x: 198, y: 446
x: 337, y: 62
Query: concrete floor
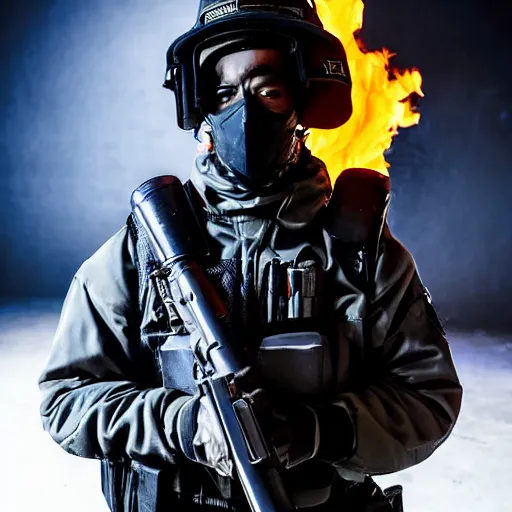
x: 471, y: 472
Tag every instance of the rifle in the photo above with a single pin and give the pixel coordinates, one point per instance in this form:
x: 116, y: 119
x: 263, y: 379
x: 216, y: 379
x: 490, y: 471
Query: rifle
x: 162, y: 208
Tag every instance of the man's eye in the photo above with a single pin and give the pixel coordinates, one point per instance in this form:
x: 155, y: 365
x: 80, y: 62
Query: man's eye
x: 224, y: 96
x: 271, y: 93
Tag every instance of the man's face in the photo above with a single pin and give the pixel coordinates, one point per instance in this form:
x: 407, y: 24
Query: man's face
x: 258, y: 73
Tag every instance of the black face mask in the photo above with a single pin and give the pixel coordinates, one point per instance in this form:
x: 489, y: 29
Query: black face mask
x: 253, y: 142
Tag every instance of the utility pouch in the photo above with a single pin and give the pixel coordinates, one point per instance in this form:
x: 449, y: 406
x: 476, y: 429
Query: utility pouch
x: 297, y: 363
x: 114, y: 480
x: 133, y: 487
x: 177, y: 363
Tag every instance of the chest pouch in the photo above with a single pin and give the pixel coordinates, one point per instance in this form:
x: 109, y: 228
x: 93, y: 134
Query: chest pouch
x: 298, y: 364
x: 178, y: 364
x: 295, y: 357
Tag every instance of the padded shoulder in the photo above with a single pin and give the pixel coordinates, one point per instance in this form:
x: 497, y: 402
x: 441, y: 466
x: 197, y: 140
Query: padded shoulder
x: 358, y: 206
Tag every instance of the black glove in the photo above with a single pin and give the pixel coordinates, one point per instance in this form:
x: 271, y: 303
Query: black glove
x: 299, y: 432
x: 293, y: 429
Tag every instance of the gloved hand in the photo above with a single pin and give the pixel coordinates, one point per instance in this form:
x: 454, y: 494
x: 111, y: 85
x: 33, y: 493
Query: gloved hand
x: 300, y: 432
x: 201, y: 437
x: 293, y: 429
x: 297, y: 432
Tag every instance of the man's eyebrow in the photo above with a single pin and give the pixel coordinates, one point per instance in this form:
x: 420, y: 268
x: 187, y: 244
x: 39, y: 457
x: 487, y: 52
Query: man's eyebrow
x: 259, y: 70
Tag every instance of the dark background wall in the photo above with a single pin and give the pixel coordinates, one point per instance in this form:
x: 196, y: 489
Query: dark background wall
x: 84, y: 120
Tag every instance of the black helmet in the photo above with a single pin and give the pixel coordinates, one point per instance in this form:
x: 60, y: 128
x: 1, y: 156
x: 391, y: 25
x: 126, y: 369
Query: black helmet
x: 320, y: 57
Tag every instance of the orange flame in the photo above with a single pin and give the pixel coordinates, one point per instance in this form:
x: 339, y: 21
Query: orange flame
x: 380, y: 96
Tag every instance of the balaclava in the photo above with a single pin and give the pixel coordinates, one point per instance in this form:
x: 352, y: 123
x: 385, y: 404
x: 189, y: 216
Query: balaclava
x: 254, y: 143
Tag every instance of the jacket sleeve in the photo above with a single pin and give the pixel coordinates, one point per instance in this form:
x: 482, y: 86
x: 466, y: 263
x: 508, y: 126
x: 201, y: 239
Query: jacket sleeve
x: 100, y: 398
x: 407, y: 396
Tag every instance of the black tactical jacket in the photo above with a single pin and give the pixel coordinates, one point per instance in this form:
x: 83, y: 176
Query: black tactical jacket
x: 102, y: 388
